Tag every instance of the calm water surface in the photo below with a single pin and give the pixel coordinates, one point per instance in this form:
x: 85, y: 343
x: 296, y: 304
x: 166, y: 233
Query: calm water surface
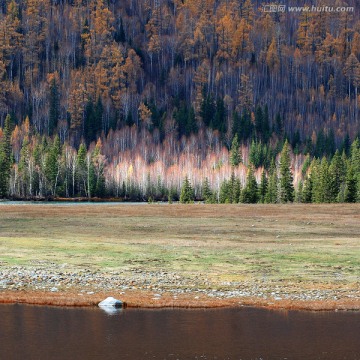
x: 74, y: 203
x: 31, y: 332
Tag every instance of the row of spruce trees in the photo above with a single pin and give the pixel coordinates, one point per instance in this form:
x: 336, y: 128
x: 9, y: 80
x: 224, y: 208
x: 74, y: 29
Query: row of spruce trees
x: 324, y: 181
x: 46, y: 168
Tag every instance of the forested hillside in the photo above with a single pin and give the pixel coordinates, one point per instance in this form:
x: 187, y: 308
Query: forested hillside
x: 142, y: 94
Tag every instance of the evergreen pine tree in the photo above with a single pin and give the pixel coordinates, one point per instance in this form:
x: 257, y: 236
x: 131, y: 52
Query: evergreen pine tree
x: 38, y: 166
x: 181, y: 118
x: 91, y: 179
x: 52, y: 165
x: 119, y: 35
x: 306, y: 165
x: 271, y: 196
x: 235, y: 153
x: 187, y: 193
x: 225, y: 192
x: 23, y: 168
x: 295, y: 143
x: 207, y: 194
x: 96, y: 172
x: 321, y: 185
x: 346, y: 163
x: 233, y: 191
x: 219, y: 120
x: 208, y: 110
x: 236, y: 191
x: 320, y: 147
x: 254, y: 154
x: 89, y: 121
x: 259, y: 154
x: 279, y: 126
x: 336, y: 176
x: 249, y: 195
x: 263, y: 187
x: 191, y: 125
x: 160, y: 189
x: 345, y: 146
x: 325, y: 181
x: 330, y: 145
x: 351, y: 185
x: 93, y: 119
x: 245, y: 127
x: 307, y: 189
x: 81, y: 173
x: 172, y: 195
x: 286, y: 178
x: 315, y: 180
x: 355, y: 156
x: 5, y: 158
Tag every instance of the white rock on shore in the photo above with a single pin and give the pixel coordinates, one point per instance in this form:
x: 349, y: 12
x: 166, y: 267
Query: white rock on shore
x: 110, y: 302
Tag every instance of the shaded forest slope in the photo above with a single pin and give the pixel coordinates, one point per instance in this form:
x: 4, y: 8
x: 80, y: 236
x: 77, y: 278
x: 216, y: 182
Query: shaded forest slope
x: 79, y: 68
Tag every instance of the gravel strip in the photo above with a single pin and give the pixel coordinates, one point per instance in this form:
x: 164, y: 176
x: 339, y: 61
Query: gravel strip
x: 53, y: 277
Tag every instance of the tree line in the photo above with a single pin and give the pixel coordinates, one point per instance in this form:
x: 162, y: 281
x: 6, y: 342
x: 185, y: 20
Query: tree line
x: 34, y: 166
x: 323, y: 181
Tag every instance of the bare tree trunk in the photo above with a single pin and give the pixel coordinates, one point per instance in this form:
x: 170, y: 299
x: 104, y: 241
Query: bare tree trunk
x: 88, y: 162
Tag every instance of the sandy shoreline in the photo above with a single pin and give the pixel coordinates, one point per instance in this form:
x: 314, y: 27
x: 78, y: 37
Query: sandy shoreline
x: 144, y: 299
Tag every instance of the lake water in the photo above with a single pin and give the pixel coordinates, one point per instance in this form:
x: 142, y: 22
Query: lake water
x: 75, y: 203
x: 32, y: 332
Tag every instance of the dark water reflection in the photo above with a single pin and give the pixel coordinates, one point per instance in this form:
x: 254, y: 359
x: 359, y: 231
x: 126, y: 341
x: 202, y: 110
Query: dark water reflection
x: 30, y: 332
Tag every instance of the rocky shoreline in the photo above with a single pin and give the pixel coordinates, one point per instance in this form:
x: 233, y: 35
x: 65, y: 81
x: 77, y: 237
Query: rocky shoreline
x: 140, y: 288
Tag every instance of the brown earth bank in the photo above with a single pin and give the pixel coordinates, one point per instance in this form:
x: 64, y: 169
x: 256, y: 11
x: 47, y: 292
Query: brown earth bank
x: 141, y: 299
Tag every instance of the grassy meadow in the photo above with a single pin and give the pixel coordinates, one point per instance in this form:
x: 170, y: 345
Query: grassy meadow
x: 308, y: 244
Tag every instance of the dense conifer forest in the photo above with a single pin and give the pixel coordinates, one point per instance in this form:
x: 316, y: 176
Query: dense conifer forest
x: 213, y: 100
